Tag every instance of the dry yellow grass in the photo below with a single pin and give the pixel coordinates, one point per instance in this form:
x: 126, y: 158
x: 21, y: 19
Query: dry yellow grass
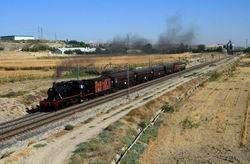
x: 38, y: 65
x: 218, y: 110
x: 19, y: 60
x: 26, y: 73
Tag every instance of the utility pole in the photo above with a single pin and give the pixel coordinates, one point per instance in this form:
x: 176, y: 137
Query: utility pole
x: 246, y: 43
x: 127, y: 81
x: 56, y: 74
x: 77, y: 71
x: 38, y: 32
x: 149, y: 61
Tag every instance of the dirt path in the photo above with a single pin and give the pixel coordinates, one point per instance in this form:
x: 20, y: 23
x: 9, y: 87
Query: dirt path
x: 68, y: 142
x: 207, y: 127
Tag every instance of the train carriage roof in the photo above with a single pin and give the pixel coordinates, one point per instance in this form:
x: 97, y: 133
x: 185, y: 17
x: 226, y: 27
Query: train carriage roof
x: 158, y: 67
x: 168, y: 65
x: 97, y: 78
x: 120, y: 74
x: 143, y: 70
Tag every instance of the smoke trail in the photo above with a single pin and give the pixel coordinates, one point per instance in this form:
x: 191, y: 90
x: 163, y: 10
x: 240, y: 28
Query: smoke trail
x: 129, y: 41
x: 175, y: 34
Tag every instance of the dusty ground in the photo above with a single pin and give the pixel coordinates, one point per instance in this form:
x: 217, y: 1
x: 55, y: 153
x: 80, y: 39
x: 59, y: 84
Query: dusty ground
x: 207, y: 128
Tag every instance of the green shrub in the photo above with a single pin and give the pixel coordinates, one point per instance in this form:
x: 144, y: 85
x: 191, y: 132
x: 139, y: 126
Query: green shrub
x: 114, y: 126
x: 69, y: 127
x: 38, y: 48
x: 134, y: 154
x: 142, y: 124
x: 214, y: 75
x: 247, y: 50
x: 1, y: 48
x: 105, y: 137
x: 188, y: 124
x: 167, y: 108
x: 68, y: 52
x: 151, y: 132
x: 75, y: 73
x: 127, y: 140
x: 94, y: 147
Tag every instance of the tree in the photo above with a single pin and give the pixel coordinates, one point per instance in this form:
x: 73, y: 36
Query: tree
x: 201, y: 47
x: 247, y: 50
x: 220, y: 49
x: 148, y: 48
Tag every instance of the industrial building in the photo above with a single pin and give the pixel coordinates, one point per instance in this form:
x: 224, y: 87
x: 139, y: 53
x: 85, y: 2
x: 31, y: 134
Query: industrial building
x: 17, y: 37
x: 86, y: 49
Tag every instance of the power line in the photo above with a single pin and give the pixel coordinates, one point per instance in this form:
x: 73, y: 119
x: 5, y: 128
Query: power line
x: 55, y: 36
x: 38, y: 33
x: 41, y: 33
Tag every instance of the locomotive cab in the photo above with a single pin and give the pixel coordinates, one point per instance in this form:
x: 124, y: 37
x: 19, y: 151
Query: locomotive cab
x: 63, y: 94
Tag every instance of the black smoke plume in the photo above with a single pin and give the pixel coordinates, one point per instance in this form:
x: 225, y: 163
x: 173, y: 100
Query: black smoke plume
x: 175, y: 34
x: 129, y: 41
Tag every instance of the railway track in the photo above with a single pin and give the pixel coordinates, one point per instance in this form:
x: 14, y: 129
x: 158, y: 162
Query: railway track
x: 21, y: 125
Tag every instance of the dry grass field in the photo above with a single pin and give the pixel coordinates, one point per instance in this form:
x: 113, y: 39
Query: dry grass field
x: 22, y: 60
x: 26, y: 65
x: 208, y: 127
x: 25, y: 74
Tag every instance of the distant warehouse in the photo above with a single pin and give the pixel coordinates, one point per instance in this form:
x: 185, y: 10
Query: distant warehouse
x: 72, y: 50
x: 17, y: 37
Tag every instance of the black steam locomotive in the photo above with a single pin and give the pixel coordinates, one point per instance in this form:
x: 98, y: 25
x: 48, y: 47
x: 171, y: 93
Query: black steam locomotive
x: 68, y: 93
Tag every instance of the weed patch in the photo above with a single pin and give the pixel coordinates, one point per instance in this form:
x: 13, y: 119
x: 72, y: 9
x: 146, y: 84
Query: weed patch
x: 214, y: 75
x: 39, y: 145
x: 96, y: 147
x: 134, y: 154
x: 13, y: 94
x: 69, y: 127
x: 147, y: 98
x: 114, y: 126
x: 167, y: 108
x: 142, y: 124
x: 188, y: 124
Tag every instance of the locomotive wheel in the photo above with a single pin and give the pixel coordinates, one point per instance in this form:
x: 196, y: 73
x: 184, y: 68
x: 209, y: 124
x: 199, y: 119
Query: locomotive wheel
x: 79, y: 100
x: 62, y: 105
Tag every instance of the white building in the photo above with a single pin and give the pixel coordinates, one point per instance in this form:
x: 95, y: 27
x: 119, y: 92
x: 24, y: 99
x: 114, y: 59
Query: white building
x: 83, y: 49
x: 17, y: 37
x: 213, y: 46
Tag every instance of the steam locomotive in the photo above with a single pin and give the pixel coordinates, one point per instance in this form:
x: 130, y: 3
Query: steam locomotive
x: 67, y: 93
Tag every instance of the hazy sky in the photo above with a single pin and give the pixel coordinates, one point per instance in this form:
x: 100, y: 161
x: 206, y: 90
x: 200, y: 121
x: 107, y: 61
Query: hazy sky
x: 214, y: 21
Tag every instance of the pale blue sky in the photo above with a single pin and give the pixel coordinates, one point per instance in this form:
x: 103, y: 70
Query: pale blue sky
x: 215, y: 21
